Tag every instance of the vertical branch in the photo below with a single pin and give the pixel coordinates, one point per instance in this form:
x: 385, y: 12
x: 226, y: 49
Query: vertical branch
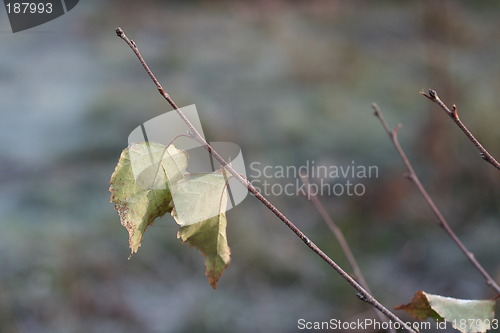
x: 339, y: 235
x: 362, y: 294
x: 453, y: 113
x: 393, y: 135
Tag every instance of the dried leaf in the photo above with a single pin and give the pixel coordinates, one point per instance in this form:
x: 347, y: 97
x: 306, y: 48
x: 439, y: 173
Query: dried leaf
x: 150, y: 180
x: 209, y: 237
x: 204, y: 198
x: 139, y: 187
x: 467, y: 316
x: 419, y: 308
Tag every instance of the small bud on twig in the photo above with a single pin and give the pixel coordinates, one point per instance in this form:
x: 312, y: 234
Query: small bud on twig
x: 433, y: 94
x: 454, y: 111
x: 119, y: 32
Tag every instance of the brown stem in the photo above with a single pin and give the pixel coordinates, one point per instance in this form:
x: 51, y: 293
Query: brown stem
x: 339, y: 235
x: 362, y: 293
x: 453, y: 113
x: 393, y: 135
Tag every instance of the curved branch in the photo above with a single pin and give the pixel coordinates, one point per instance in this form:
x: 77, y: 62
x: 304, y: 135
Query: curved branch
x: 393, y: 134
x: 453, y: 113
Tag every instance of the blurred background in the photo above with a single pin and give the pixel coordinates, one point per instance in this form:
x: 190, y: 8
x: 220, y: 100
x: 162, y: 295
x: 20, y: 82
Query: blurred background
x: 288, y: 81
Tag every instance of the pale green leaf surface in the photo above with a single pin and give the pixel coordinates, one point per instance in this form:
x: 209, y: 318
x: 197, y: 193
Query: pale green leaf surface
x: 477, y: 313
x: 199, y: 197
x: 204, y: 197
x: 139, y: 186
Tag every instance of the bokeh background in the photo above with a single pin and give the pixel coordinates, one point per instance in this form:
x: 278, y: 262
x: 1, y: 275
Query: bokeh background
x: 288, y: 81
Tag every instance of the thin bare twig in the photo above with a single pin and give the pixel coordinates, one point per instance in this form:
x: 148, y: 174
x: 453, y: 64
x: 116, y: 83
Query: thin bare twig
x: 453, y: 113
x: 393, y: 135
x: 339, y: 235
x: 361, y: 292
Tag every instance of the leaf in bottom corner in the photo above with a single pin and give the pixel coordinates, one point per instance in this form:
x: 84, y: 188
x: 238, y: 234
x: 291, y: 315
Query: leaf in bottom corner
x: 467, y: 316
x: 209, y: 237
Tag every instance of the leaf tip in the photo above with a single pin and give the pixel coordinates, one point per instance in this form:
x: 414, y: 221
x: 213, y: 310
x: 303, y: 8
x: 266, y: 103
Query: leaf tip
x: 214, y: 275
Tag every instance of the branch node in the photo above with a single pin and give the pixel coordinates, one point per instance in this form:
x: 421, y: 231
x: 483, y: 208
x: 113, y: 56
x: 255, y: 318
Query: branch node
x: 431, y: 95
x: 304, y: 195
x: 362, y: 297
x: 395, y: 131
x: 454, y: 111
x: 190, y: 133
